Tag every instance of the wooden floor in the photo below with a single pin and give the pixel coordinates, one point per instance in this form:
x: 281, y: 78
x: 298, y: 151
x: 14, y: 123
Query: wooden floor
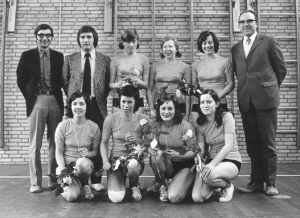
x: 17, y: 201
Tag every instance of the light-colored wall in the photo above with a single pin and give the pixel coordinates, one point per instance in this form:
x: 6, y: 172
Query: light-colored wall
x: 67, y: 16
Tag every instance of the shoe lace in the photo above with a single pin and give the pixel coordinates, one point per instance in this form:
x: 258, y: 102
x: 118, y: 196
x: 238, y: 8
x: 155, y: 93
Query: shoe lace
x: 139, y: 186
x: 87, y: 190
x: 154, y: 185
x: 163, y: 191
x: 136, y: 191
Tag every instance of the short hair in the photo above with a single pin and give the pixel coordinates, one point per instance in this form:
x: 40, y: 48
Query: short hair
x: 43, y: 27
x: 203, y: 36
x: 177, y: 116
x: 131, y: 91
x: 248, y: 11
x: 78, y: 94
x: 88, y: 29
x: 129, y: 35
x: 168, y: 38
x: 202, y: 119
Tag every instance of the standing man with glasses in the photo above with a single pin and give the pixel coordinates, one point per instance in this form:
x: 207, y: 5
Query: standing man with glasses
x: 88, y: 70
x: 260, y: 69
x: 39, y: 77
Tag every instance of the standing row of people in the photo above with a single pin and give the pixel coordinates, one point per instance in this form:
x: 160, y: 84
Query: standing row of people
x: 171, y: 140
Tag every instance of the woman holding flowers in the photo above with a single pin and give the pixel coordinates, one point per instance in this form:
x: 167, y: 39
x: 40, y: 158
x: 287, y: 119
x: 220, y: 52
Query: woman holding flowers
x: 172, y: 151
x: 129, y: 68
x: 166, y: 75
x: 77, y: 140
x: 216, y: 129
x: 126, y: 157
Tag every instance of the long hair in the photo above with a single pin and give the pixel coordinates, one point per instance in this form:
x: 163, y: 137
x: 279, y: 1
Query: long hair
x: 131, y: 91
x: 129, y: 35
x: 168, y: 38
x: 88, y: 29
x: 79, y: 94
x: 202, y: 119
x: 177, y: 116
x: 203, y: 36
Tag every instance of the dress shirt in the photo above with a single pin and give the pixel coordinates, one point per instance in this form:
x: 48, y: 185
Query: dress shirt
x: 45, y: 69
x: 248, y: 47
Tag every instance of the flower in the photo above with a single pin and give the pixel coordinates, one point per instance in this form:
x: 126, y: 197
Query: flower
x: 67, y: 180
x: 132, y: 163
x: 178, y: 93
x: 136, y: 72
x: 188, y: 134
x: 143, y: 121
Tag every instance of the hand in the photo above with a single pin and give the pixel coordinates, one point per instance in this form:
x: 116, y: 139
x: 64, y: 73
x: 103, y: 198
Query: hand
x: 121, y: 84
x: 206, y: 170
x: 83, y: 152
x: 172, y: 155
x: 136, y: 82
x: 153, y: 114
x: 130, y: 139
x: 152, y: 152
x: 106, y: 166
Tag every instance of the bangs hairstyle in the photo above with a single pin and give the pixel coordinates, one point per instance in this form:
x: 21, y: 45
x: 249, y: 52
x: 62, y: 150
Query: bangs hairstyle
x: 131, y: 91
x: 88, y: 29
x: 79, y: 94
x: 203, y: 36
x: 43, y: 27
x: 168, y: 38
x: 129, y: 35
x: 177, y: 116
x: 202, y: 119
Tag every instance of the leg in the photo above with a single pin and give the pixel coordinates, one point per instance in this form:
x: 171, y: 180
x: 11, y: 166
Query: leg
x: 71, y: 192
x: 116, y: 185
x: 201, y: 191
x: 54, y: 118
x: 37, y: 121
x: 84, y: 169
x: 180, y: 185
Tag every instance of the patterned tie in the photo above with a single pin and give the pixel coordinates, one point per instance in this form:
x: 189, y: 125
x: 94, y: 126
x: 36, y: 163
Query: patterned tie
x: 87, y: 75
x: 248, y: 41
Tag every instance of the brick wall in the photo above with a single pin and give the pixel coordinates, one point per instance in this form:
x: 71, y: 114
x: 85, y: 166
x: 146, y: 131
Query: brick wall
x: 137, y: 14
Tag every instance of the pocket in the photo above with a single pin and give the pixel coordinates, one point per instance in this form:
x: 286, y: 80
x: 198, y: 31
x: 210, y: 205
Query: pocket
x: 270, y: 83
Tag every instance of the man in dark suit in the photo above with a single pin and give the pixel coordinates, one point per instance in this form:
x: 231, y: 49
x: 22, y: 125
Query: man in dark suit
x: 88, y: 70
x: 39, y: 77
x: 260, y: 69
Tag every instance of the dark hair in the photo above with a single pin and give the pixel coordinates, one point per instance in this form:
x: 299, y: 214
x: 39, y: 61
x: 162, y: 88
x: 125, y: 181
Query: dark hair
x: 129, y: 35
x: 131, y: 91
x: 79, y: 94
x: 203, y: 36
x: 43, y: 27
x: 202, y: 119
x: 88, y: 29
x: 168, y: 38
x: 177, y: 116
x: 248, y: 11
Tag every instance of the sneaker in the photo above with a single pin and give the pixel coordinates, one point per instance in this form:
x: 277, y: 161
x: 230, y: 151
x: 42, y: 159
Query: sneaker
x: 139, y: 186
x: 163, y: 193
x: 136, y: 194
x: 168, y: 182
x: 98, y: 187
x: 35, y: 189
x: 87, y: 192
x: 154, y: 187
x: 271, y: 190
x: 227, y: 194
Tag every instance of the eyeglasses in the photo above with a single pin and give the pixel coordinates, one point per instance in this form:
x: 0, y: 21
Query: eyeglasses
x: 246, y: 21
x: 41, y: 36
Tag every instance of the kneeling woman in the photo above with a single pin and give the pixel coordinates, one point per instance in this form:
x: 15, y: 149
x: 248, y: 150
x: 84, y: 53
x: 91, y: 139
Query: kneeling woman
x: 123, y: 161
x: 216, y: 129
x: 77, y: 140
x: 172, y: 151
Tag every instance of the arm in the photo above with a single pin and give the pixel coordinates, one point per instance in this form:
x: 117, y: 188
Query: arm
x: 113, y: 74
x: 229, y: 80
x: 188, y: 76
x: 95, y: 143
x: 144, y: 83
x: 60, y: 143
x: 22, y: 74
x: 66, y: 75
x: 150, y: 91
x: 107, y: 75
x: 104, y: 145
x: 277, y: 60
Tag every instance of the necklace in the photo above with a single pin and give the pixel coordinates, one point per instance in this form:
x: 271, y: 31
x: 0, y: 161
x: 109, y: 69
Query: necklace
x: 130, y: 127
x: 169, y: 144
x: 76, y: 133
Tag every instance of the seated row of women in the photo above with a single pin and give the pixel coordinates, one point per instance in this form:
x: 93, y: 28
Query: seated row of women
x: 184, y: 160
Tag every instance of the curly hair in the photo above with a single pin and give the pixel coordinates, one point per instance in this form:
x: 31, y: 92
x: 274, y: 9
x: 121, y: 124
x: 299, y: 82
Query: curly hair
x: 79, y: 94
x: 177, y: 116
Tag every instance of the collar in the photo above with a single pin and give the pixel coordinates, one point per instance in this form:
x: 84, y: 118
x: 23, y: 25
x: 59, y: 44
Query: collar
x: 93, y: 54
x: 41, y: 52
x: 251, y: 37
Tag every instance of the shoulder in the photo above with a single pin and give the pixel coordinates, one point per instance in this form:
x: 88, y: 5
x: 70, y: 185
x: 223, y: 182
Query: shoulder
x: 227, y: 116
x: 142, y: 56
x: 92, y: 124
x: 180, y: 63
x: 64, y: 124
x: 73, y: 55
x: 141, y: 116
x: 112, y: 117
x: 187, y: 124
x: 56, y: 52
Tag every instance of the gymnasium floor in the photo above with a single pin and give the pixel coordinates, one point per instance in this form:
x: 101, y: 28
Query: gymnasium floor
x: 17, y: 201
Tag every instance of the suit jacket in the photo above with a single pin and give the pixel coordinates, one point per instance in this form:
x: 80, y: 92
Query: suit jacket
x: 73, y: 77
x: 260, y: 74
x: 29, y: 76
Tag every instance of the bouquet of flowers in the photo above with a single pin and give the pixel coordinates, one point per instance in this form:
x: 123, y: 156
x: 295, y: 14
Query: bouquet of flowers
x: 190, y: 141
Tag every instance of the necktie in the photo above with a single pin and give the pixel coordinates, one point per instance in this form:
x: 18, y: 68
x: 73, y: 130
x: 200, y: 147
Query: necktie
x: 87, y: 75
x: 248, y: 41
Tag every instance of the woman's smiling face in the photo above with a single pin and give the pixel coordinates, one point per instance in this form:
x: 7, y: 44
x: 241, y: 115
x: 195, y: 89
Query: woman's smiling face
x: 167, y: 111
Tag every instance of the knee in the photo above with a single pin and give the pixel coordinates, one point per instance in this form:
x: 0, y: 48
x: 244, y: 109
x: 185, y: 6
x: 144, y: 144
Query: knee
x: 197, y: 198
x: 71, y: 192
x: 116, y: 196
x: 174, y: 198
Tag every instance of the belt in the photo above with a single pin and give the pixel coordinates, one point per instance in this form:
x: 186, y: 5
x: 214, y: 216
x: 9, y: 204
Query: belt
x: 45, y: 92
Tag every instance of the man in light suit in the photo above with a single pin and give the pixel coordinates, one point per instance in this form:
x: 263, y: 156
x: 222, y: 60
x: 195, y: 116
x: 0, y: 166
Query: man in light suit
x: 39, y: 77
x: 93, y: 81
x: 260, y: 69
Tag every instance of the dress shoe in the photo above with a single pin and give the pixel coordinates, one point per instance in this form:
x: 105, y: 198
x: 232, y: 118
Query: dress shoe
x: 271, y: 190
x: 35, y: 189
x: 252, y: 187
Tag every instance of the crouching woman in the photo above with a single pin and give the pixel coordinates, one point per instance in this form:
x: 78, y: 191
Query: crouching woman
x: 216, y: 129
x: 77, y: 140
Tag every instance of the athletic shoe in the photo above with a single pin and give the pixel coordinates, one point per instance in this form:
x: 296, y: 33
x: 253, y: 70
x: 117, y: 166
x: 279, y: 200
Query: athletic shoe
x: 163, y: 193
x: 87, y: 192
x: 154, y: 187
x: 136, y: 194
x: 227, y: 194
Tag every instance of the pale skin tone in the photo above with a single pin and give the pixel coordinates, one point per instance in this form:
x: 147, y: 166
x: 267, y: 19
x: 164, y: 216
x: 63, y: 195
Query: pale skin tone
x: 209, y: 52
x: 216, y: 174
x: 169, y: 51
x: 87, y: 42
x: 44, y: 39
